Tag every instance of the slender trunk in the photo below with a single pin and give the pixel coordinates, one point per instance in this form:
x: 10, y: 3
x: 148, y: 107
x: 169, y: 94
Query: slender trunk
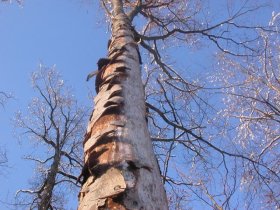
x: 121, y: 171
x: 46, y: 195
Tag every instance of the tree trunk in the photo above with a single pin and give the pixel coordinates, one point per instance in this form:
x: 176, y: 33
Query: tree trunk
x: 121, y: 171
x: 46, y: 195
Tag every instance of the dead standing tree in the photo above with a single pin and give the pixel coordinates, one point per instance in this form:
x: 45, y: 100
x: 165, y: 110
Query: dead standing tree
x: 120, y: 170
x: 115, y: 147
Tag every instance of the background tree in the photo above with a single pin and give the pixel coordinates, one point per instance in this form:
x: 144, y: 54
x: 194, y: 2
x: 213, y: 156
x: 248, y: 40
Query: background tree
x: 3, y: 154
x: 10, y: 1
x: 3, y: 158
x: 55, y: 122
x: 3, y: 97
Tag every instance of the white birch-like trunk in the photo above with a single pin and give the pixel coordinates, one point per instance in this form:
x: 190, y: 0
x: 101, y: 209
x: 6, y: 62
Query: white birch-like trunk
x: 121, y: 171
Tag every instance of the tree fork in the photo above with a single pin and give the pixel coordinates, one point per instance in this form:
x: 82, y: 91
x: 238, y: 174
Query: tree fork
x: 120, y: 171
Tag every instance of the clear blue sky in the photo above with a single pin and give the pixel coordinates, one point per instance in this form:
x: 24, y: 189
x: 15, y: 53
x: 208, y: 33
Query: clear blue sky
x: 67, y: 33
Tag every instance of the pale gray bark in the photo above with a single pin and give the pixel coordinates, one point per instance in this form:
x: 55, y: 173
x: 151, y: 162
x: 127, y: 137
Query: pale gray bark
x: 121, y: 171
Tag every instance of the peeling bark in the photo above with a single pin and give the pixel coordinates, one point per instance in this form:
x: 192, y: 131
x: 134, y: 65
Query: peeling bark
x: 120, y: 170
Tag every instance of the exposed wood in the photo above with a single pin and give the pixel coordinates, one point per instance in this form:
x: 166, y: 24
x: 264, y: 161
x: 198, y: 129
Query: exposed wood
x: 119, y: 160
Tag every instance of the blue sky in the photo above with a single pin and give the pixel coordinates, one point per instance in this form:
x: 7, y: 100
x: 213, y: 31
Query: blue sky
x: 70, y: 34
